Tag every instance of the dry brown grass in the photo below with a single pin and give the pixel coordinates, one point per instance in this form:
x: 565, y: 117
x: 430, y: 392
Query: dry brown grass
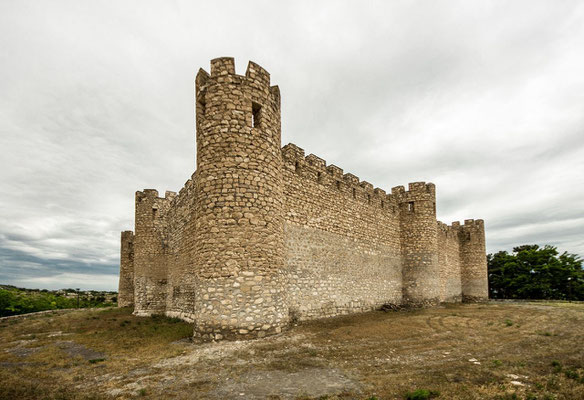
x: 382, y: 355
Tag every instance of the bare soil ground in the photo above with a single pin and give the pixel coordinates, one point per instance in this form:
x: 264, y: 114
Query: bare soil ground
x: 477, y: 351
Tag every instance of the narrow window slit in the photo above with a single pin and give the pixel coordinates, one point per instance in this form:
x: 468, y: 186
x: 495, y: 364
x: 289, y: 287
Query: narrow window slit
x: 354, y: 193
x: 411, y: 206
x: 255, y: 115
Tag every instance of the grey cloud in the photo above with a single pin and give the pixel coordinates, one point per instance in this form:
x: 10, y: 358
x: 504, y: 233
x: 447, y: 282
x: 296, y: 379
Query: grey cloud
x: 484, y: 99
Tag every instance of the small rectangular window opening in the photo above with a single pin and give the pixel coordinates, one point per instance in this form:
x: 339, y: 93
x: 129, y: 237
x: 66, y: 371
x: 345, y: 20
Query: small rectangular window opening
x: 368, y: 199
x: 411, y: 206
x: 154, y: 211
x: 354, y: 193
x: 382, y: 204
x: 339, y: 185
x: 296, y: 166
x: 434, y: 208
x: 203, y: 107
x: 319, y: 177
x: 255, y: 115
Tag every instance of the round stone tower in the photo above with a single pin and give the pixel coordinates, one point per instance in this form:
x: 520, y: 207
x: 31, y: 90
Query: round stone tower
x: 419, y: 243
x: 238, y: 249
x: 474, y: 277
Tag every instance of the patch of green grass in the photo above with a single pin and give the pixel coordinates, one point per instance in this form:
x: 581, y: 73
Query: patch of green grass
x: 571, y: 374
x: 96, y: 360
x: 421, y: 394
x: 497, y: 363
x: 508, y: 322
x: 557, y: 366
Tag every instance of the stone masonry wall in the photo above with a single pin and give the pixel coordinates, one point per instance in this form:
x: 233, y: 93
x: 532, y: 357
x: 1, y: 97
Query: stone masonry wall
x: 419, y: 243
x: 341, y: 238
x: 238, y: 253
x: 181, y: 286
x: 449, y: 261
x: 475, y: 283
x: 150, y: 253
x: 261, y: 235
x: 126, y: 283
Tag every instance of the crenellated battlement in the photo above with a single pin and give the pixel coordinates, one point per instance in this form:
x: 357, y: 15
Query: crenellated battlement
x: 222, y: 66
x: 416, y: 191
x: 474, y: 224
x: 260, y: 234
x: 333, y: 177
x: 451, y: 231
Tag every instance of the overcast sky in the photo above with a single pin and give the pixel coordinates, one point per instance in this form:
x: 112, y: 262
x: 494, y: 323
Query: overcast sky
x: 485, y: 99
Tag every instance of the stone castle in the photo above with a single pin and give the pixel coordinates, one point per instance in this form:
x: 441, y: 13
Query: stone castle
x: 261, y: 235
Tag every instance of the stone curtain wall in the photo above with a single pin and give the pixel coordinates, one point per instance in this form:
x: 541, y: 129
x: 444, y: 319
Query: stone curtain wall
x: 449, y: 262
x: 261, y: 235
x: 181, y: 282
x: 341, y: 237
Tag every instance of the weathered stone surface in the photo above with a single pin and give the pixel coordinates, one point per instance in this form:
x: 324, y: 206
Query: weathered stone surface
x: 262, y: 235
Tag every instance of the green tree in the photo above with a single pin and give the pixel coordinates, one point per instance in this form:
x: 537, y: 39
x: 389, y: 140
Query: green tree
x: 534, y: 272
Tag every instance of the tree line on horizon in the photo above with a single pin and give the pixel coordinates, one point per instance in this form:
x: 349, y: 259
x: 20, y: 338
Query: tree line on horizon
x: 16, y: 301
x: 535, y: 273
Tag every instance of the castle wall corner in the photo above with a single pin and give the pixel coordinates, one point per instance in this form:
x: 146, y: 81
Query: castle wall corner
x: 126, y: 281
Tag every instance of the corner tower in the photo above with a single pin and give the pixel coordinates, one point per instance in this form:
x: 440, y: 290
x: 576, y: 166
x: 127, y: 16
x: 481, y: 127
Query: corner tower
x: 474, y: 277
x: 419, y: 243
x: 238, y: 253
